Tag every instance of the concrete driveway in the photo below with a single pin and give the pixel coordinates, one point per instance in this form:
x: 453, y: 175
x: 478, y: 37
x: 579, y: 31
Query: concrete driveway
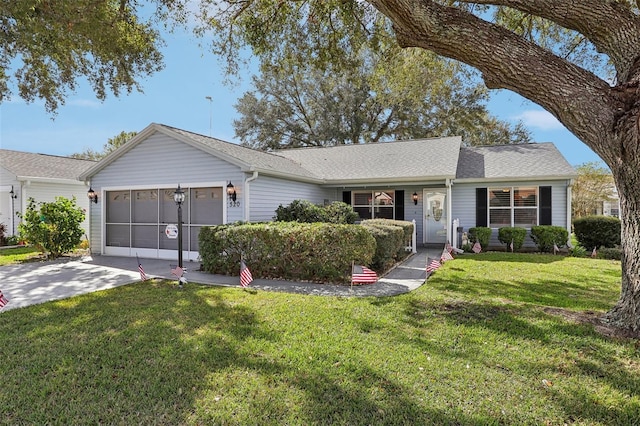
x: 37, y: 282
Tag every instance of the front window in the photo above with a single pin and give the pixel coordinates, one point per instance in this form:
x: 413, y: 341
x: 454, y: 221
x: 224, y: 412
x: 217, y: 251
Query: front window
x: 374, y: 204
x: 513, y: 206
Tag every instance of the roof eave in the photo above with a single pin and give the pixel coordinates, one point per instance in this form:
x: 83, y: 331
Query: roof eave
x: 515, y: 179
x: 417, y: 180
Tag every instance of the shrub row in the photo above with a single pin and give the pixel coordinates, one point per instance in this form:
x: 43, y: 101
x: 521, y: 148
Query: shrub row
x: 545, y: 236
x: 290, y: 250
x: 392, y: 236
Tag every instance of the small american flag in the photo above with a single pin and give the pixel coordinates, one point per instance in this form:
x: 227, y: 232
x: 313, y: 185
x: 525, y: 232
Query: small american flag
x: 445, y: 256
x: 432, y: 266
x: 594, y: 253
x: 448, y: 247
x: 3, y: 300
x: 555, y: 248
x: 477, y: 248
x: 245, y: 274
x: 178, y: 272
x: 511, y: 246
x: 363, y: 275
x: 143, y: 276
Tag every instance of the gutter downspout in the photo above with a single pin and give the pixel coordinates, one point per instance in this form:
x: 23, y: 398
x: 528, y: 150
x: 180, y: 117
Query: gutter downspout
x: 569, y: 186
x: 449, y: 184
x: 247, y: 204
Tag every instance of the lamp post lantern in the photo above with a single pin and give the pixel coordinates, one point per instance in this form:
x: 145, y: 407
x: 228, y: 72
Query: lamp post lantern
x: 178, y: 197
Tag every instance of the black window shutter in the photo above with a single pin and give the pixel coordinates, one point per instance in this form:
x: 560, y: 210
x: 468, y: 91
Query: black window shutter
x: 346, y: 197
x: 399, y: 206
x: 545, y: 205
x: 481, y: 206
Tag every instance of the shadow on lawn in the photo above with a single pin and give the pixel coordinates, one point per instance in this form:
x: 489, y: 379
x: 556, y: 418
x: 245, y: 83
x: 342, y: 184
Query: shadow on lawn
x: 569, y: 348
x: 149, y: 353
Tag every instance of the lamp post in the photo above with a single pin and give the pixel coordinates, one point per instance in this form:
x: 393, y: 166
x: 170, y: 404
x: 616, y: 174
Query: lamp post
x: 178, y: 197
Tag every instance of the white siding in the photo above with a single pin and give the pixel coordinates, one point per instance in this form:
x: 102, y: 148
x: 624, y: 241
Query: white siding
x: 163, y: 161
x: 7, y: 180
x: 464, y: 203
x: 267, y: 193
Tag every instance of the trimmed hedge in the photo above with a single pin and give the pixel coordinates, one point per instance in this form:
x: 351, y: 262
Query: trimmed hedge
x: 609, y: 253
x: 597, y: 231
x: 306, y: 212
x: 508, y: 234
x: 481, y: 234
x: 545, y: 236
x: 288, y: 250
x: 389, y: 242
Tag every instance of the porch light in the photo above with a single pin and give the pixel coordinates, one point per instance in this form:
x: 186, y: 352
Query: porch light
x: 231, y: 191
x: 414, y: 197
x: 93, y: 197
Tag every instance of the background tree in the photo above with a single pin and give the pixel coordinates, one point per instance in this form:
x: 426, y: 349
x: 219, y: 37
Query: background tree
x: 53, y: 228
x: 392, y: 95
x: 111, y: 145
x: 591, y: 188
x: 552, y: 52
x: 45, y: 46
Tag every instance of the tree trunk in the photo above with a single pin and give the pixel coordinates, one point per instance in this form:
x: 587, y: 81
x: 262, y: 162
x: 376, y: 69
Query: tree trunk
x: 626, y: 313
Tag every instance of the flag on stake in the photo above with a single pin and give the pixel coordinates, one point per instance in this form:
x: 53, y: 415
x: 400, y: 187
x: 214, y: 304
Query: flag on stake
x: 178, y: 272
x: 3, y: 300
x: 448, y: 247
x: 143, y: 276
x: 477, y: 248
x: 511, y: 246
x: 445, y: 256
x: 555, y: 248
x: 594, y: 253
x: 432, y: 266
x: 362, y: 275
x: 245, y: 274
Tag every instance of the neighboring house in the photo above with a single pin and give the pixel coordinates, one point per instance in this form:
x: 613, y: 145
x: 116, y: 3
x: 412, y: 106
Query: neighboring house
x: 611, y: 207
x: 42, y: 177
x: 431, y: 181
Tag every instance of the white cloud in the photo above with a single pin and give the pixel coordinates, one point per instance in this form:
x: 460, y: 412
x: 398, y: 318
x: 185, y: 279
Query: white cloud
x: 539, y: 119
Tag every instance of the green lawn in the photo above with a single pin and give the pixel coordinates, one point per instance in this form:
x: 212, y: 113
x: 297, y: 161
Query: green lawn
x: 490, y: 339
x: 18, y: 255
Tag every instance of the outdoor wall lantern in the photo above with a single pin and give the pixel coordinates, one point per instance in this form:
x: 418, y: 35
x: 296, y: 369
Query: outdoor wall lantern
x: 178, y: 197
x: 93, y: 197
x: 232, y: 195
x: 415, y: 198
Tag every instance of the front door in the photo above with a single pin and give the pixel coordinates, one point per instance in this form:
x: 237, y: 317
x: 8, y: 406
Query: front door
x: 435, y: 216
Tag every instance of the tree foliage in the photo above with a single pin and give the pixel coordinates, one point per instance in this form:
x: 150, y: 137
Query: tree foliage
x: 46, y: 46
x: 591, y: 188
x: 111, y: 145
x: 54, y: 228
x: 395, y: 95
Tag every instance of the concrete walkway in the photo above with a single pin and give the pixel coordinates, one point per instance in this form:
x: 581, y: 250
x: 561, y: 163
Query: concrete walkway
x: 31, y: 283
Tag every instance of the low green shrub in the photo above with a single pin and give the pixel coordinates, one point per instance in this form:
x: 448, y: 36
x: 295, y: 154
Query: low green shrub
x: 290, y: 250
x: 597, y: 231
x: 577, y: 251
x: 407, y: 229
x: 482, y: 234
x: 612, y: 253
x: 545, y: 236
x: 306, y: 212
x: 389, y: 243
x: 508, y: 235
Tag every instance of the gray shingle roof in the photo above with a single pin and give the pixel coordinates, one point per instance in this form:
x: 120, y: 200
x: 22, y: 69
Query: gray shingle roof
x: 535, y: 160
x: 405, y: 160
x: 27, y: 164
x: 259, y: 160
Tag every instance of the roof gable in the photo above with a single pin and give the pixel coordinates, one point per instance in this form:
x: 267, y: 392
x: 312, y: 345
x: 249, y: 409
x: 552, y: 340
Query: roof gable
x: 31, y: 165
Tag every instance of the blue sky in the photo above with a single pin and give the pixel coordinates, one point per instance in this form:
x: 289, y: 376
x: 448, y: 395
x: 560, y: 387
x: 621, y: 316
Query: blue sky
x: 176, y: 96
